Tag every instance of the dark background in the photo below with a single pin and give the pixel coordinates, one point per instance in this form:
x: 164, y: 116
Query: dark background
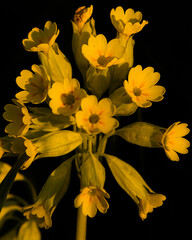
x: 165, y: 44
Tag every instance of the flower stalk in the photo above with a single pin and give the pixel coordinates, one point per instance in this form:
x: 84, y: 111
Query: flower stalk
x: 81, y: 228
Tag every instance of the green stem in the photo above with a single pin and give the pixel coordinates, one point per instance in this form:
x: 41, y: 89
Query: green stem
x: 81, y: 225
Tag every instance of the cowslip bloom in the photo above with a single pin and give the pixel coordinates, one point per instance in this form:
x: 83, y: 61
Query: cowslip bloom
x: 35, y: 85
x: 92, y: 198
x: 82, y: 14
x: 22, y: 145
x: 101, y: 54
x: 146, y: 206
x: 96, y: 117
x: 141, y: 86
x: 66, y: 97
x: 19, y: 117
x: 41, y: 40
x: 128, y: 22
x: 174, y: 142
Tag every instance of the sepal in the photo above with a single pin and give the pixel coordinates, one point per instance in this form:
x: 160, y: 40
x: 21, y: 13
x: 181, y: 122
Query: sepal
x: 143, y: 134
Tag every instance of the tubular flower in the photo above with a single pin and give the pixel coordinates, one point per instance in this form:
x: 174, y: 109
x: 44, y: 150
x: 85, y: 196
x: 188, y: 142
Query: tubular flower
x: 173, y: 140
x: 146, y: 206
x: 41, y: 40
x: 141, y: 86
x: 35, y: 85
x: 40, y: 214
x: 96, y: 117
x: 101, y: 54
x: 128, y: 22
x: 92, y: 198
x: 19, y: 117
x: 22, y: 145
x: 66, y: 97
x: 82, y: 14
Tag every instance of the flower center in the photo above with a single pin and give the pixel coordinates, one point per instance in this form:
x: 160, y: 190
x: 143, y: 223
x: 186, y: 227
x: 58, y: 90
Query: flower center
x: 137, y: 91
x: 94, y: 118
x: 68, y: 99
x: 103, y: 61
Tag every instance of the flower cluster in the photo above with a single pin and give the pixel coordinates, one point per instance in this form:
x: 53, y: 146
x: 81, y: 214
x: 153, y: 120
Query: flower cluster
x: 81, y: 115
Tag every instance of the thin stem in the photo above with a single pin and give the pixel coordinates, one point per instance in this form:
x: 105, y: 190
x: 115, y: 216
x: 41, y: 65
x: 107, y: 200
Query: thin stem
x: 81, y: 225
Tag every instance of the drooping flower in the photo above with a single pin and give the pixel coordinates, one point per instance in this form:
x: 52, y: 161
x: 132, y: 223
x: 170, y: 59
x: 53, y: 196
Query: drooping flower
x: 146, y: 206
x: 22, y: 145
x: 141, y: 86
x: 82, y: 14
x: 174, y: 142
x: 101, y: 54
x: 41, y: 40
x: 128, y: 22
x: 19, y: 117
x: 35, y: 85
x: 50, y: 195
x: 66, y: 97
x: 92, y: 198
x: 96, y: 117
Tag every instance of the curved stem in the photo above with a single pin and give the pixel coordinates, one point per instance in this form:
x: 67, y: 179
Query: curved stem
x: 81, y: 225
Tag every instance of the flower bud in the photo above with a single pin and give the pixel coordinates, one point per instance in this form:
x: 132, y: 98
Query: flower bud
x: 97, y: 80
x: 56, y: 64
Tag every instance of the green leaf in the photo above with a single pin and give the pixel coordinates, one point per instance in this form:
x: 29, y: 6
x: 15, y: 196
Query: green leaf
x: 7, y: 182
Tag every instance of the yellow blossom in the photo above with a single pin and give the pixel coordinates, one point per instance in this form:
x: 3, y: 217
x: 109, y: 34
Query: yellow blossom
x: 174, y: 142
x: 141, y: 86
x: 92, y: 198
x: 41, y: 40
x: 40, y: 214
x: 35, y: 85
x: 95, y: 116
x: 82, y: 14
x: 128, y: 22
x: 66, y: 97
x: 101, y: 54
x: 19, y: 117
x: 147, y: 205
x: 22, y: 145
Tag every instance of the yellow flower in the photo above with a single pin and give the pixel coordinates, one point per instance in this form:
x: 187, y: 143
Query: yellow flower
x: 96, y: 117
x: 173, y: 140
x: 128, y: 22
x: 19, y: 117
x: 82, y: 14
x: 140, y: 86
x: 101, y: 54
x: 41, y: 40
x: 40, y: 214
x: 35, y: 85
x: 66, y: 97
x: 22, y: 145
x: 147, y: 205
x: 92, y: 198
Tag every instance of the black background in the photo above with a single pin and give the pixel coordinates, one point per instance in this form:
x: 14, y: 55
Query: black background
x: 165, y: 44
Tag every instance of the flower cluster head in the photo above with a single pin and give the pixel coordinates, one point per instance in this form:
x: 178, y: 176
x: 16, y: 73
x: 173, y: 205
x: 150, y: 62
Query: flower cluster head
x: 141, y: 86
x: 174, y: 142
x: 79, y: 116
x: 41, y: 40
x: 35, y: 85
x: 128, y: 22
x: 101, y: 54
x: 96, y: 117
x: 92, y: 198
